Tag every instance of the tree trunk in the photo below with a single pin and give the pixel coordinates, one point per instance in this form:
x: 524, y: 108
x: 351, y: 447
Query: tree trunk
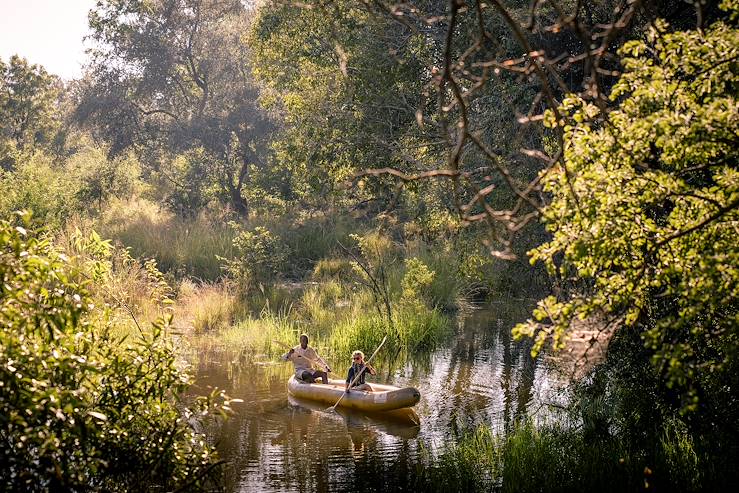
x: 238, y: 202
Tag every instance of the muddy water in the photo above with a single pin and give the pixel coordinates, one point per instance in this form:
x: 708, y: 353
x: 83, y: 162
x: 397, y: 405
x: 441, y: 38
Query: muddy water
x: 275, y: 443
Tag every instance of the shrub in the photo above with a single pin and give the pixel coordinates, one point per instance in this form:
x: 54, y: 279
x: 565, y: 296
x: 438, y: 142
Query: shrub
x: 416, y: 281
x: 38, y: 186
x: 259, y: 256
x: 81, y: 409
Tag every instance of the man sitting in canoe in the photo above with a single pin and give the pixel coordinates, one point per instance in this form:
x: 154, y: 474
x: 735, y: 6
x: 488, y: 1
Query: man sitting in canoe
x: 356, y: 369
x: 303, y: 358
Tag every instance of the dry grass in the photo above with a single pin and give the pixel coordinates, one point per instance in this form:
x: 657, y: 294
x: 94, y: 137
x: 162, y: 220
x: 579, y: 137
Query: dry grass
x: 206, y: 307
x: 183, y: 247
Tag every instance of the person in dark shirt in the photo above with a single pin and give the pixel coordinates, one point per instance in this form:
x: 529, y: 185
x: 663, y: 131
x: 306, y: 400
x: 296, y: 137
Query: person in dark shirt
x: 357, y: 368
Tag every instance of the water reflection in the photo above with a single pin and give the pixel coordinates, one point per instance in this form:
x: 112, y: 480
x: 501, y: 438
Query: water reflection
x: 276, y: 443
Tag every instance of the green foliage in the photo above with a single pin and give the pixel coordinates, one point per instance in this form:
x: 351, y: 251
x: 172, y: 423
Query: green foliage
x: 184, y: 89
x: 348, y: 84
x: 258, y: 257
x: 310, y: 237
x: 560, y: 458
x: 29, y: 114
x: 81, y: 408
x: 37, y: 185
x: 414, y: 329
x: 645, y: 206
x: 188, y: 183
x: 56, y: 189
x: 99, y: 178
x: 377, y: 248
x: 416, y: 281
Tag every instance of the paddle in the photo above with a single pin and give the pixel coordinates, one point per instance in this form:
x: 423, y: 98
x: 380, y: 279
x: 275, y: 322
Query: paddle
x: 351, y: 384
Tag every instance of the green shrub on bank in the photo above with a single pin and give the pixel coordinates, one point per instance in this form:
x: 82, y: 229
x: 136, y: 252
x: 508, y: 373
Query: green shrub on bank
x: 37, y: 185
x: 258, y: 258
x: 80, y: 409
x: 55, y: 189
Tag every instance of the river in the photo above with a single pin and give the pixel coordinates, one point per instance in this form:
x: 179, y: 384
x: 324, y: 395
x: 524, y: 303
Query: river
x: 480, y: 376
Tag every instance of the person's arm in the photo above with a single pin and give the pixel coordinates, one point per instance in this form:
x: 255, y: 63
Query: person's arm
x: 320, y: 360
x: 371, y: 370
x: 349, y: 378
x: 288, y: 355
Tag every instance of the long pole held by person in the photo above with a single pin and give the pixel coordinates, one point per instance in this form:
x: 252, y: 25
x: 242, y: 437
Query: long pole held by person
x: 333, y: 408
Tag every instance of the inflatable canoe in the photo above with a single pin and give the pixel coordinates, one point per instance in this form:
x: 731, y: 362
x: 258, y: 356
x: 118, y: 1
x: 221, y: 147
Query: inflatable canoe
x: 403, y: 423
x: 384, y: 397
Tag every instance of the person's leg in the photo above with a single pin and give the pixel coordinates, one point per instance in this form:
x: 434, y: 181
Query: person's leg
x: 307, y: 376
x: 322, y: 375
x: 365, y: 387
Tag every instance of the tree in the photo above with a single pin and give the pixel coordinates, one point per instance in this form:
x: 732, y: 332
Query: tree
x: 634, y: 175
x: 29, y: 108
x: 645, y: 204
x: 173, y: 75
x: 347, y: 84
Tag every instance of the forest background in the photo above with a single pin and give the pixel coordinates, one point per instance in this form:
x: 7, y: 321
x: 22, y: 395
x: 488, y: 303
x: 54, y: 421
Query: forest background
x: 239, y: 171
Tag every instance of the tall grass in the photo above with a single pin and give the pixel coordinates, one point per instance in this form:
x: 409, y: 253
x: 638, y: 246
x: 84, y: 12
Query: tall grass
x: 207, y: 307
x: 337, y: 319
x: 181, y: 246
x: 309, y: 238
x: 561, y: 458
x: 254, y: 337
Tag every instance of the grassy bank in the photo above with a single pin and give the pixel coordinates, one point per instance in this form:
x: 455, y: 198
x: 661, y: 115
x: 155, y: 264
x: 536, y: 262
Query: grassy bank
x: 183, y: 247
x: 337, y: 322
x: 561, y: 458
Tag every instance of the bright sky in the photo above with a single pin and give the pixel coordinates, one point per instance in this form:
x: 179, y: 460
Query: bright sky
x: 47, y: 32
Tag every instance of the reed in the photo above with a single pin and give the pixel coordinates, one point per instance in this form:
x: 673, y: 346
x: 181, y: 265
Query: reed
x: 556, y: 457
x: 207, y: 307
x: 337, y: 320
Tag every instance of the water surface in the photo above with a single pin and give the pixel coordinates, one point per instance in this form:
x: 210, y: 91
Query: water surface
x: 276, y: 443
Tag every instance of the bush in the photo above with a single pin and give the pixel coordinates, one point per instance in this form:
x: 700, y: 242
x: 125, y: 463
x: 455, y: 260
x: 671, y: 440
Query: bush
x: 416, y: 281
x: 81, y: 409
x: 55, y: 189
x: 38, y: 186
x: 259, y: 257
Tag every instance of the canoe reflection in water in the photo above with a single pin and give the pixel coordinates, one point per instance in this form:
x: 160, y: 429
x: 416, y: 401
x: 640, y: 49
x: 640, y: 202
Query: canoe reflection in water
x: 403, y: 423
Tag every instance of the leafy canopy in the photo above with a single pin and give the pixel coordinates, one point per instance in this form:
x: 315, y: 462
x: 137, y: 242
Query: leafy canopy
x: 29, y: 108
x: 645, y: 206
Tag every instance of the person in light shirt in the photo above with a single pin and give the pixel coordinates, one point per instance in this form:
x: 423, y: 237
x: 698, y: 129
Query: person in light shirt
x: 304, y: 358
